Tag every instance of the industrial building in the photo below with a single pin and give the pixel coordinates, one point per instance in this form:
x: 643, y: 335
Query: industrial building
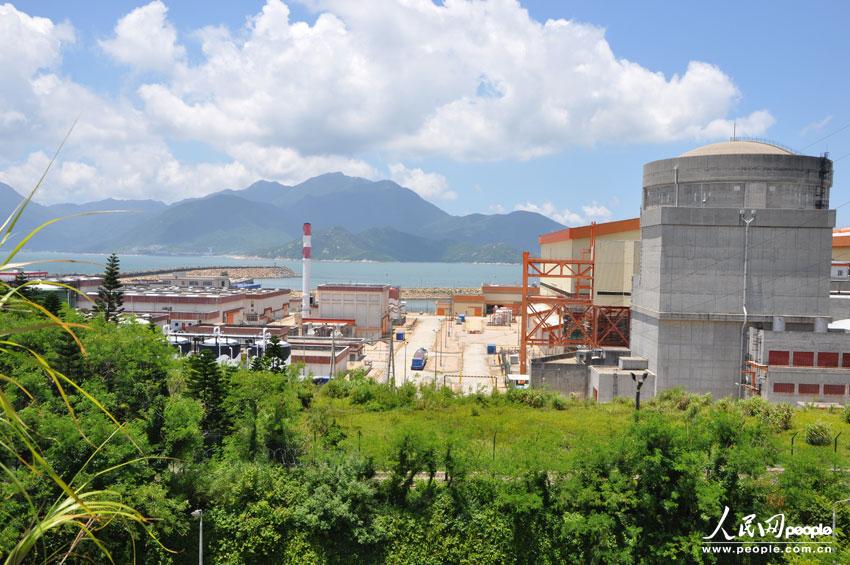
x: 731, y: 286
x: 614, y: 262
x: 319, y: 356
x: 734, y: 235
x: 367, y: 305
x: 491, y: 298
x: 188, y: 307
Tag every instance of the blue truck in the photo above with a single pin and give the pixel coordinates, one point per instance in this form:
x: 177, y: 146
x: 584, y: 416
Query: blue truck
x: 419, y: 359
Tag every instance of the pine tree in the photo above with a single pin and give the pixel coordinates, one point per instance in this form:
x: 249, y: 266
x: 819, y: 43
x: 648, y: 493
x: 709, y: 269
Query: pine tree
x: 19, y: 283
x: 208, y: 383
x: 257, y: 364
x: 276, y: 355
x: 52, y: 303
x: 110, y: 297
x: 71, y: 362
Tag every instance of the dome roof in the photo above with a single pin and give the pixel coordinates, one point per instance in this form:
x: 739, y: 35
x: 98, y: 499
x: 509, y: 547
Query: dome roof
x: 737, y: 147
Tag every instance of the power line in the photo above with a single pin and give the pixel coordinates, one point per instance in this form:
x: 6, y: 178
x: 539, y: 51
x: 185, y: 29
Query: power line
x: 839, y: 130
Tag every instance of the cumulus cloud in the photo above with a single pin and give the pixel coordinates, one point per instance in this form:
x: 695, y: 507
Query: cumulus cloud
x: 145, y: 40
x: 431, y: 186
x: 284, y: 99
x: 590, y: 213
x: 468, y: 80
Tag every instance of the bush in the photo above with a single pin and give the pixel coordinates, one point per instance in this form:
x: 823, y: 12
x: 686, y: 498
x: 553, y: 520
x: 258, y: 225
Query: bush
x: 846, y: 414
x: 777, y: 416
x: 559, y: 403
x: 780, y: 417
x: 818, y: 434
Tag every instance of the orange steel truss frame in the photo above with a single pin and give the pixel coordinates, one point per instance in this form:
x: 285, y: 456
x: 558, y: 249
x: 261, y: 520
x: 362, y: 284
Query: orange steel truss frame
x: 570, y: 320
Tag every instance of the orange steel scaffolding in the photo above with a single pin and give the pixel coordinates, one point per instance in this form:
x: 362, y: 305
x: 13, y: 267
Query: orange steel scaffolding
x: 570, y: 319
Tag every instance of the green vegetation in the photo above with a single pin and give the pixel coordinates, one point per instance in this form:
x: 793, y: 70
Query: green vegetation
x: 359, y: 472
x: 110, y: 297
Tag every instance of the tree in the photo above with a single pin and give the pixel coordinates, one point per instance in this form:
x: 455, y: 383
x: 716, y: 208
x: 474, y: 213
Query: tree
x: 276, y: 355
x: 110, y: 297
x: 20, y: 283
x: 208, y: 384
x: 71, y: 362
x: 52, y: 303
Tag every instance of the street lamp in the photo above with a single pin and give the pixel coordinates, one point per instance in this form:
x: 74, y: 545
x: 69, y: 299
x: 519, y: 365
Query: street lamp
x: 639, y: 382
x: 834, y: 504
x: 199, y: 515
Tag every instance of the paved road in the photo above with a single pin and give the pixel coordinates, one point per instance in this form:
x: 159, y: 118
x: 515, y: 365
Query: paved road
x: 423, y: 335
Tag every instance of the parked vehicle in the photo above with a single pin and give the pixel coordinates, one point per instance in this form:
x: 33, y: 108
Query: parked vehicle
x: 419, y: 359
x: 515, y: 380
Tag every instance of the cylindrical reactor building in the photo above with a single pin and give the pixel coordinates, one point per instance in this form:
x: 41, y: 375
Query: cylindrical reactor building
x: 734, y: 235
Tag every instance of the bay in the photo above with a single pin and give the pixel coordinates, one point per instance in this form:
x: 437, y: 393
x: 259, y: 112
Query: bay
x: 406, y: 275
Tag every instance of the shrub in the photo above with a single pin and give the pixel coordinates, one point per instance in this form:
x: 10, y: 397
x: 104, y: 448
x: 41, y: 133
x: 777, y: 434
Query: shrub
x: 846, y: 414
x: 559, y: 402
x: 780, y: 417
x: 777, y: 416
x: 362, y: 393
x: 754, y: 406
x: 818, y: 434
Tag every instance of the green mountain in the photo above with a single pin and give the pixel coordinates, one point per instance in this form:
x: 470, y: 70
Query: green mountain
x: 353, y: 218
x: 388, y: 244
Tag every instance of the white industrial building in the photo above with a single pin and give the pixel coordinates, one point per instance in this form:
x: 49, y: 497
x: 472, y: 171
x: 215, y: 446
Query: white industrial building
x: 188, y: 307
x: 367, y: 305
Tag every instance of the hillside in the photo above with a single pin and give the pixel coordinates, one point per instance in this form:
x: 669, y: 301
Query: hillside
x: 353, y: 218
x: 388, y: 244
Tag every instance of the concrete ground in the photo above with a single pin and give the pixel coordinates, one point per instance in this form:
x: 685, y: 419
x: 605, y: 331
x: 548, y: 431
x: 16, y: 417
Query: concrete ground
x: 458, y: 354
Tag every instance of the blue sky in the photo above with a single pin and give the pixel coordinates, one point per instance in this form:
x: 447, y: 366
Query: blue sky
x: 479, y: 108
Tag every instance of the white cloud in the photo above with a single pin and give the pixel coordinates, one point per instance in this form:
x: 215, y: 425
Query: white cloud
x: 469, y: 80
x: 816, y: 126
x: 285, y: 100
x: 431, y: 186
x: 144, y: 39
x: 590, y: 213
x: 596, y: 212
x: 288, y: 166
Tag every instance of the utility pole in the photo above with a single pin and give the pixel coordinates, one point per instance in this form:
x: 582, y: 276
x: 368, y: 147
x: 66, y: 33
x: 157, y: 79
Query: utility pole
x: 199, y: 514
x: 391, y: 365
x: 436, y: 356
x: 639, y: 382
x: 333, y: 351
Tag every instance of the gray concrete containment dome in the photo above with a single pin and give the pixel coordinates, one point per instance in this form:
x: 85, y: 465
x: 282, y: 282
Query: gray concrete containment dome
x: 733, y: 236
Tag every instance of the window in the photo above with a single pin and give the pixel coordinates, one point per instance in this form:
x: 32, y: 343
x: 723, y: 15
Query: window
x: 783, y: 388
x: 845, y: 360
x: 834, y: 389
x: 804, y: 358
x: 779, y: 358
x: 827, y: 359
x: 807, y: 388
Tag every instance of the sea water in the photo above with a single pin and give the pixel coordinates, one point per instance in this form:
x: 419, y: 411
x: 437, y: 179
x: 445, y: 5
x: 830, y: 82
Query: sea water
x: 406, y: 275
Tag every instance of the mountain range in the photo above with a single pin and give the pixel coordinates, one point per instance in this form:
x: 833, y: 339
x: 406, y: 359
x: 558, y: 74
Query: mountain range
x: 353, y: 218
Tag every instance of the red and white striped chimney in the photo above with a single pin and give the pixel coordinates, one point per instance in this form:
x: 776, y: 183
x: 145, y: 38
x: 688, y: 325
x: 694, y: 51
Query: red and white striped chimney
x: 305, y: 273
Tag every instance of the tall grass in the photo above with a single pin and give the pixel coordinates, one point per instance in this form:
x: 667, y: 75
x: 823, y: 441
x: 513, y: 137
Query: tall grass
x: 77, y: 506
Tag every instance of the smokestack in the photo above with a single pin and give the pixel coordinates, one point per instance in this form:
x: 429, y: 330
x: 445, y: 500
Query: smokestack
x: 305, y: 273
